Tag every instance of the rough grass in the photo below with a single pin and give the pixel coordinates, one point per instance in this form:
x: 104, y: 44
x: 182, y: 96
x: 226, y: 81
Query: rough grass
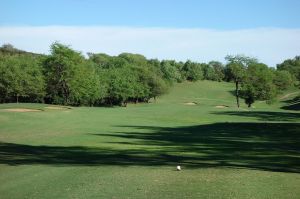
x: 133, y: 152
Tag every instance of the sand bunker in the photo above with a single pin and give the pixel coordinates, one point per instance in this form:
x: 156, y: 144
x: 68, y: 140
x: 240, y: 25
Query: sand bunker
x: 21, y: 110
x: 221, y: 106
x: 190, y: 103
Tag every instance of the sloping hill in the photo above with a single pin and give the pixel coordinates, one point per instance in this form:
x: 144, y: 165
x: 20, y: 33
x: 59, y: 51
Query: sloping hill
x: 218, y: 94
x: 9, y: 50
x: 201, y: 92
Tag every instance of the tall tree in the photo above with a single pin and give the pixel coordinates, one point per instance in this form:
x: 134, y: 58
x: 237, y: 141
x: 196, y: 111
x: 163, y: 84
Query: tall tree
x: 258, y: 84
x: 69, y: 76
x: 235, y: 68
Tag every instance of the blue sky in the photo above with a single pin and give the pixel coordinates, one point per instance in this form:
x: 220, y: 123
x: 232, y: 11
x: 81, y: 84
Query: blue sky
x: 200, y: 30
x: 215, y: 14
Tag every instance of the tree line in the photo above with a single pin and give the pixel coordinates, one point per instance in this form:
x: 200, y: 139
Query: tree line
x: 66, y: 77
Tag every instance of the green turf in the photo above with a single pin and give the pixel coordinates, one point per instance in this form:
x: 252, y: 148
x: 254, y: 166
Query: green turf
x: 133, y: 152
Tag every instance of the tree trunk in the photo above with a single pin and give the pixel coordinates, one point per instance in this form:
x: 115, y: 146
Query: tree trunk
x: 110, y: 101
x: 249, y: 105
x: 17, y: 98
x: 237, y: 93
x: 66, y: 91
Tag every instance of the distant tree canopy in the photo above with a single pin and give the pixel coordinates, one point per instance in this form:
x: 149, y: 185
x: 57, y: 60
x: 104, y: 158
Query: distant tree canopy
x: 67, y: 77
x: 217, y: 71
x: 292, y: 66
x: 258, y: 84
x: 192, y: 71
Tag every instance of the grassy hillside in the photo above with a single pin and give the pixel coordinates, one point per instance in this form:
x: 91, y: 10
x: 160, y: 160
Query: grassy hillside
x: 86, y: 152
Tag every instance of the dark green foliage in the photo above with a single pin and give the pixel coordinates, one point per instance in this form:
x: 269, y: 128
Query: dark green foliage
x: 213, y: 71
x: 170, y: 72
x: 192, y: 71
x: 258, y: 84
x: 128, y: 78
x: 67, y: 77
x: 70, y: 78
x: 236, y: 71
x: 208, y: 72
x: 135, y: 59
x: 21, y: 79
x: 101, y: 60
x: 218, y: 71
x: 292, y: 66
x: 236, y: 65
x: 283, y: 80
x: 120, y: 86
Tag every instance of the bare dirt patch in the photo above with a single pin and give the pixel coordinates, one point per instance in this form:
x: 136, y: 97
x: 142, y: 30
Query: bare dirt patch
x: 190, y: 103
x: 21, y: 110
x: 221, y: 106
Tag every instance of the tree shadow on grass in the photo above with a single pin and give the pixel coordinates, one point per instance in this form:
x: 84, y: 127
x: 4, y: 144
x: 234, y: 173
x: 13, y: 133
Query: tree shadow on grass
x: 260, y: 146
x: 292, y: 104
x: 264, y: 115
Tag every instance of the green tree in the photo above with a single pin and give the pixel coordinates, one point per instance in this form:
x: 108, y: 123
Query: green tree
x: 21, y: 78
x: 208, y: 72
x: 292, y: 66
x: 101, y: 60
x: 258, y: 84
x: 120, y: 86
x: 283, y: 80
x: 70, y: 78
x: 219, y: 70
x: 135, y: 59
x: 170, y: 71
x: 85, y: 86
x: 235, y: 70
x: 155, y: 85
x: 193, y: 71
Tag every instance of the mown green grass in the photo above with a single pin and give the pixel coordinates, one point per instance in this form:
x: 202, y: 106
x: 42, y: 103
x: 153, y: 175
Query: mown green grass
x: 132, y: 152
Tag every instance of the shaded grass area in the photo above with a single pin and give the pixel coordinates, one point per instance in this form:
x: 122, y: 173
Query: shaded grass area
x: 292, y: 104
x: 264, y: 115
x: 261, y: 146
